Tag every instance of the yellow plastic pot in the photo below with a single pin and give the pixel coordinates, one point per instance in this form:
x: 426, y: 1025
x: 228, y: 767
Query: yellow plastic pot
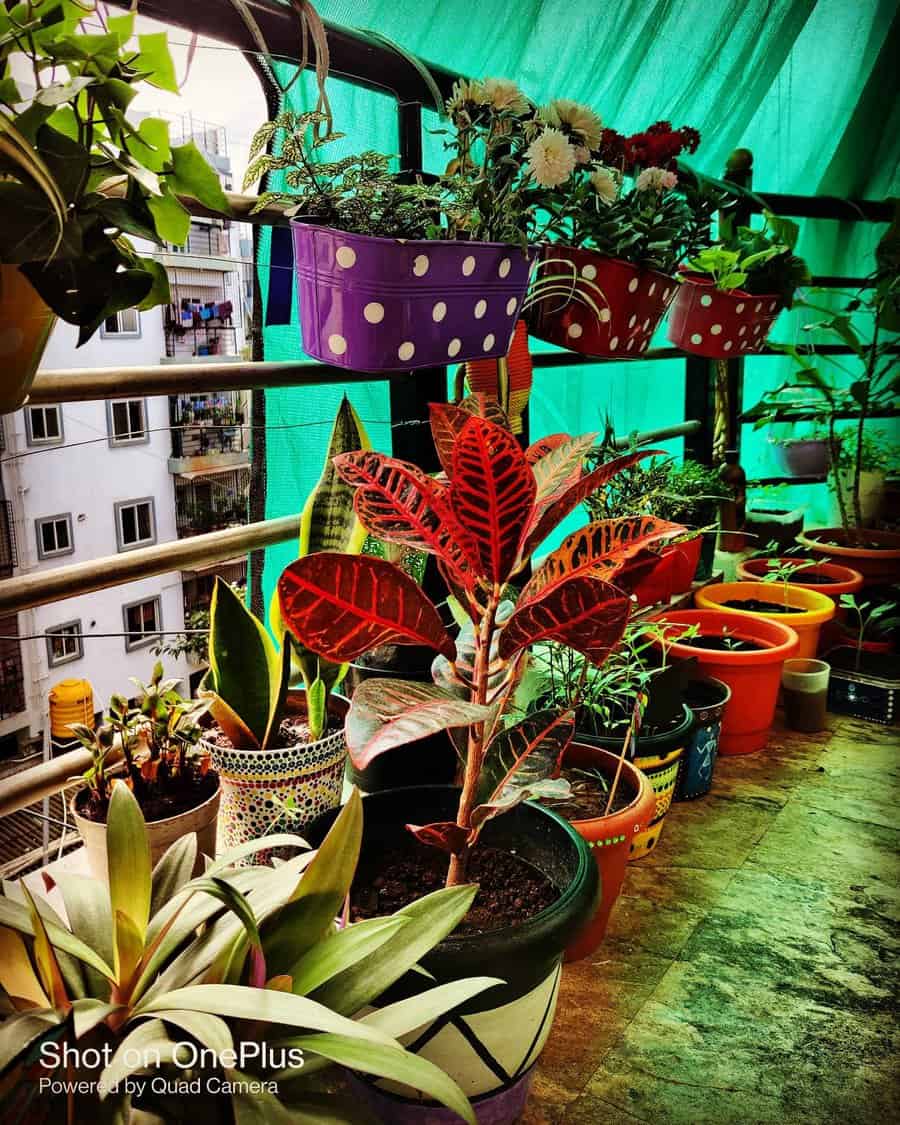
x: 809, y: 609
x: 25, y: 326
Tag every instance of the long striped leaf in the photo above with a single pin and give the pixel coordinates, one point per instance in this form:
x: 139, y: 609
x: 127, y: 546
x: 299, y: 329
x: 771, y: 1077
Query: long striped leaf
x: 340, y: 606
x: 584, y: 613
x: 448, y: 419
x: 128, y: 857
x: 492, y: 493
x: 327, y: 523
x: 601, y: 549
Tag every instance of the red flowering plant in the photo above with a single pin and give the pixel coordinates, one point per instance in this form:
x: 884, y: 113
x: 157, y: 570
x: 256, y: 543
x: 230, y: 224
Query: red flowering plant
x: 482, y: 519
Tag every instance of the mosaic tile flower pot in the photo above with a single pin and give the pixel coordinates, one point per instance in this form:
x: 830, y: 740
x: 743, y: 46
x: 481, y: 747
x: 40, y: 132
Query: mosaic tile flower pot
x: 710, y: 322
x: 630, y: 303
x: 707, y: 700
x: 285, y: 789
x: 490, y: 1044
x: 387, y: 304
x: 25, y: 327
x: 609, y: 837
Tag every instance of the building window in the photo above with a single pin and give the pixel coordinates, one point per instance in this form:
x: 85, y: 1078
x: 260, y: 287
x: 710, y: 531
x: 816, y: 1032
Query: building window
x: 126, y: 322
x: 64, y: 643
x: 135, y: 523
x: 43, y: 425
x: 54, y: 536
x: 143, y: 622
x: 127, y: 422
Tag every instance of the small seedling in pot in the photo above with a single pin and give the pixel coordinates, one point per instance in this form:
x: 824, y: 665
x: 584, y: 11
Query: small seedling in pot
x: 783, y: 571
x: 871, y: 620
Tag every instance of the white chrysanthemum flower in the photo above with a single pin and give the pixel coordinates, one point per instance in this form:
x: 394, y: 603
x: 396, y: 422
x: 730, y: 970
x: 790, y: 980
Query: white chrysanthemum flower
x: 582, y: 122
x: 503, y: 94
x: 551, y: 159
x: 656, y: 179
x: 606, y: 184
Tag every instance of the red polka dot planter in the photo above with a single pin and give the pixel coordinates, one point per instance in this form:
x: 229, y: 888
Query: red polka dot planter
x: 715, y: 324
x: 387, y: 304
x: 598, y: 306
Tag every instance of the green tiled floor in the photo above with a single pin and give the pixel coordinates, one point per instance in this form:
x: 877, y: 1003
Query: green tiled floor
x: 750, y: 972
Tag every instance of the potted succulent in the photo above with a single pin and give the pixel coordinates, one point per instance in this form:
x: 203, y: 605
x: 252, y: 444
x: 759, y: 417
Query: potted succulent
x: 863, y: 682
x: 483, y: 524
x: 731, y: 293
x: 277, y: 740
x: 744, y: 651
x: 418, y: 274
x: 77, y: 177
x: 607, y: 277
x: 165, y: 767
x: 804, y: 609
x: 165, y: 998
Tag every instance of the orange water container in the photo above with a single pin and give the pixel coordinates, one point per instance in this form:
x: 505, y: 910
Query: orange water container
x: 71, y: 701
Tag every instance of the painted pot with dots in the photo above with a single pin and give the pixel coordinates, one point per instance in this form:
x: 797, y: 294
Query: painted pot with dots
x: 717, y: 324
x: 389, y: 304
x: 596, y: 305
x: 280, y: 789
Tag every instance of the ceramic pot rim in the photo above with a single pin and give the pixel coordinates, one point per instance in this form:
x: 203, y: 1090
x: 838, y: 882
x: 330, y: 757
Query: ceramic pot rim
x: 846, y: 576
x: 214, y: 797
x: 819, y: 607
x: 529, y: 251
x: 813, y: 539
x: 780, y: 640
x: 712, y: 680
x: 337, y: 708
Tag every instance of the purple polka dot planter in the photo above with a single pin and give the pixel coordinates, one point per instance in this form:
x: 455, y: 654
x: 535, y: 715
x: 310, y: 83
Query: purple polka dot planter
x: 718, y: 325
x: 389, y: 304
x: 596, y: 305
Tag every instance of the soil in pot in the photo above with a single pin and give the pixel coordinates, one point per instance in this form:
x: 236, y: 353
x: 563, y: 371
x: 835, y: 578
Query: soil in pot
x: 156, y: 806
x: 722, y: 644
x: 590, y: 793
x: 294, y: 731
x: 758, y: 605
x: 812, y: 578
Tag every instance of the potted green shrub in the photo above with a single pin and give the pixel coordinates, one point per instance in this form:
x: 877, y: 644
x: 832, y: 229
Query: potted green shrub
x: 165, y: 766
x: 731, y: 293
x: 483, y: 524
x: 217, y: 997
x: 619, y: 227
x: 78, y: 177
x: 276, y: 739
x: 865, y: 674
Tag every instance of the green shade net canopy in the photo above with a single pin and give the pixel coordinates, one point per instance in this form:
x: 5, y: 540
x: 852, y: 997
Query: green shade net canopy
x: 809, y: 87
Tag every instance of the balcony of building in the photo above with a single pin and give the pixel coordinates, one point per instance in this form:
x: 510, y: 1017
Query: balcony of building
x: 211, y: 500
x: 209, y: 433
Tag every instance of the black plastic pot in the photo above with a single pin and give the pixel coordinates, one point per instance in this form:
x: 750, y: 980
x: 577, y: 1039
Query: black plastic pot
x: 430, y: 761
x: 495, y: 1062
x: 773, y: 525
x: 870, y: 692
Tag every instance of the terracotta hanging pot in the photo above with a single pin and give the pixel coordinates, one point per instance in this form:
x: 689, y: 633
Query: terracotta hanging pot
x: 25, y: 326
x: 717, y: 324
x: 388, y: 304
x: 595, y: 305
x: 483, y: 376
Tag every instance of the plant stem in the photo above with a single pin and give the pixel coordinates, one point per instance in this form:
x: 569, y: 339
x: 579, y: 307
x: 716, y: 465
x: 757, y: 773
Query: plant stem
x: 477, y: 743
x: 835, y: 446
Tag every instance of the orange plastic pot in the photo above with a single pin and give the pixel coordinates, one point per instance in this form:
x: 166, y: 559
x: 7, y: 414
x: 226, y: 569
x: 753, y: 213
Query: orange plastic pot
x: 754, y: 677
x: 812, y: 608
x: 25, y: 326
x: 879, y: 566
x: 609, y: 837
x: 846, y: 580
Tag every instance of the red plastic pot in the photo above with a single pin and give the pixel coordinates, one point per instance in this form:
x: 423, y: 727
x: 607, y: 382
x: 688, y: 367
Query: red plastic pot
x: 630, y: 303
x: 878, y: 565
x: 754, y: 677
x: 717, y: 324
x: 685, y: 560
x: 846, y: 580
x: 609, y: 837
x: 657, y: 587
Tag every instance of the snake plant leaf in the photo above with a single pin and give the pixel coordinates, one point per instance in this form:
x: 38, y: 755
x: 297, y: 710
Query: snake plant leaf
x: 128, y: 859
x: 17, y: 976
x: 308, y: 915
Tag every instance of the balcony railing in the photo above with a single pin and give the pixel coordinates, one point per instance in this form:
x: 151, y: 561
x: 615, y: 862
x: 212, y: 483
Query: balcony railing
x: 208, y: 439
x: 212, y: 501
x: 9, y: 556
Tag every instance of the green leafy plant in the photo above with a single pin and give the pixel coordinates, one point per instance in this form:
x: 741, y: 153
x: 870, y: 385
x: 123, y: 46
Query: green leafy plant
x: 159, y: 740
x: 245, y: 964
x: 783, y: 571
x: 77, y: 176
x: 873, y: 619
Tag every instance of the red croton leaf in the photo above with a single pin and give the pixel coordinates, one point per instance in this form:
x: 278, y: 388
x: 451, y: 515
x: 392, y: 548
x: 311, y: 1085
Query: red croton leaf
x: 584, y: 613
x: 443, y: 834
x: 561, y: 467
x: 554, y: 508
x: 340, y: 606
x: 492, y: 493
x: 603, y: 549
x: 388, y: 713
x: 448, y: 420
x: 544, y: 445
x: 396, y: 501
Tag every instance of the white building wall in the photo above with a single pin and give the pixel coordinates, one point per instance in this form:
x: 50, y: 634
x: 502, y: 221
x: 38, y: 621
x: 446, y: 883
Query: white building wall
x: 86, y: 477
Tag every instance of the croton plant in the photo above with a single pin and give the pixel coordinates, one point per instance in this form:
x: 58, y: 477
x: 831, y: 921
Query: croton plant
x: 482, y: 518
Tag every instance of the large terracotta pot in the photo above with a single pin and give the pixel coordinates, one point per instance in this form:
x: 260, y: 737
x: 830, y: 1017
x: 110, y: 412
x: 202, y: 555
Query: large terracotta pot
x: 609, y: 837
x: 161, y: 834
x: 25, y: 326
x: 810, y: 609
x: 490, y: 1044
x: 754, y: 677
x: 389, y: 304
x: 717, y: 324
x: 878, y: 565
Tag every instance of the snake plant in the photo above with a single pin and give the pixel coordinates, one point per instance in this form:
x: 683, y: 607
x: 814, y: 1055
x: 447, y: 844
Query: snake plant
x: 242, y: 976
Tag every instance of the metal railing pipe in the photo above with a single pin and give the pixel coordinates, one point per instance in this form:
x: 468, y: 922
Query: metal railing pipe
x: 22, y: 789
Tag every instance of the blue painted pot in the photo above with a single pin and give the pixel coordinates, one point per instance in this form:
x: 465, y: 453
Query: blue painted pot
x: 707, y: 700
